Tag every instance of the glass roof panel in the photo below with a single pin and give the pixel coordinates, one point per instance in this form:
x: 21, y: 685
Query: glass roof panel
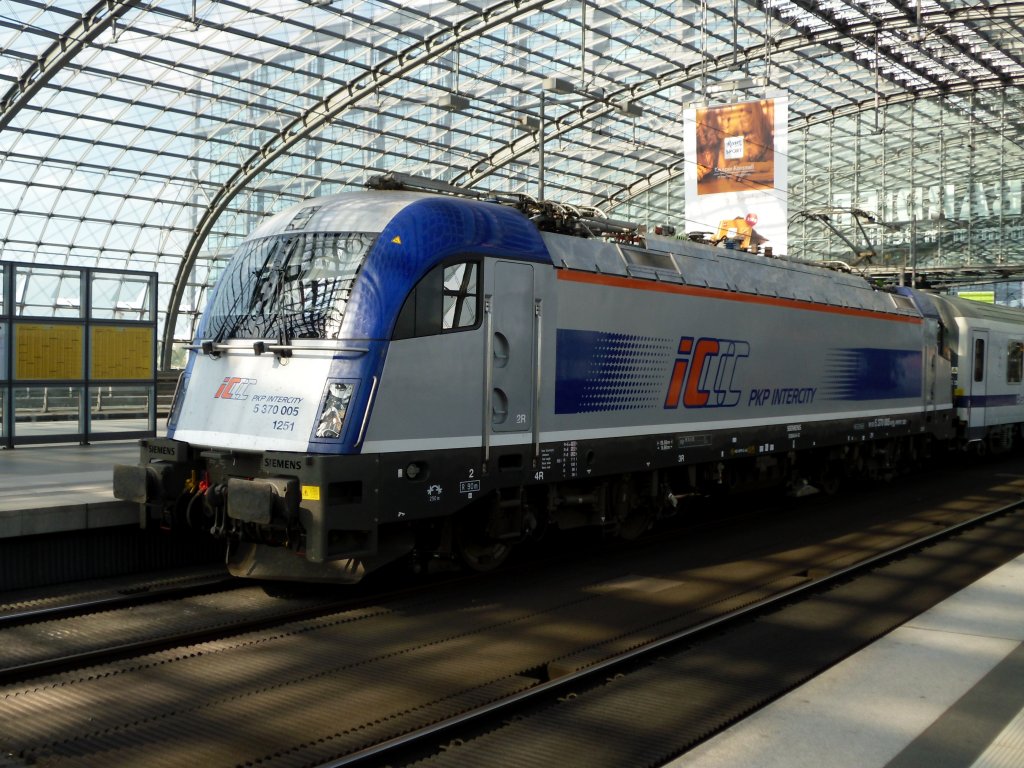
x: 223, y: 112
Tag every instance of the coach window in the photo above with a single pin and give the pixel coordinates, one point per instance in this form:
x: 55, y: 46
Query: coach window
x: 979, y: 359
x: 447, y: 299
x: 1015, y: 362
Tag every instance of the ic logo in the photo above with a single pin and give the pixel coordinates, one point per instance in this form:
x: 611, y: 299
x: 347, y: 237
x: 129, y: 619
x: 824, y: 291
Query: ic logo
x: 234, y: 388
x: 703, y: 373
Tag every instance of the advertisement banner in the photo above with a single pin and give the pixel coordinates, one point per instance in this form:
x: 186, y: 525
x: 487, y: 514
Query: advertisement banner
x: 736, y: 173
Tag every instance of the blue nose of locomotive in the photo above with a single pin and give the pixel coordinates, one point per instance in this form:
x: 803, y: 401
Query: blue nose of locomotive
x: 292, y: 351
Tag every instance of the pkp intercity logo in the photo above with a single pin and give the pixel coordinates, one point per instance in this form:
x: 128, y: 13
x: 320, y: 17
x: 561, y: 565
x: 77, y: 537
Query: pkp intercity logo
x: 234, y: 388
x: 702, y: 376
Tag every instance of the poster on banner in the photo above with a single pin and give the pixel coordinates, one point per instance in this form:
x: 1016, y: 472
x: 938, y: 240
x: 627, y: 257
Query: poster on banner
x: 736, y: 175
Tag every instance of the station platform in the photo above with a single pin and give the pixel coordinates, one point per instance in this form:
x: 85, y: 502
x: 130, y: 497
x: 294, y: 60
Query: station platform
x: 63, y: 487
x: 945, y: 690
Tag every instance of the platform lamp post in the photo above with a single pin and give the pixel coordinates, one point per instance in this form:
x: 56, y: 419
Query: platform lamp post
x: 540, y: 151
x: 911, y: 254
x: 537, y: 125
x: 450, y: 102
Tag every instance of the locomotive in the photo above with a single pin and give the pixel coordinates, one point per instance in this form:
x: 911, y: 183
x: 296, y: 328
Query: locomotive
x: 394, y: 373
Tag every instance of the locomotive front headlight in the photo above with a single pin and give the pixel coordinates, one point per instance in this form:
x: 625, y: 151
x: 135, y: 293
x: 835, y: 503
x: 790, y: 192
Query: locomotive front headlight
x: 333, y: 410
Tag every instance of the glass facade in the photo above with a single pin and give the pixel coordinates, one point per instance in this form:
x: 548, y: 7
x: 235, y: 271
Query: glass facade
x: 934, y: 185
x: 154, y: 137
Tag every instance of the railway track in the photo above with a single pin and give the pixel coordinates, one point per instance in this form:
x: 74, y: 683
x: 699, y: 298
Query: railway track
x: 201, y: 608
x: 90, y: 600
x: 758, y: 636
x: 340, y: 684
x: 101, y: 628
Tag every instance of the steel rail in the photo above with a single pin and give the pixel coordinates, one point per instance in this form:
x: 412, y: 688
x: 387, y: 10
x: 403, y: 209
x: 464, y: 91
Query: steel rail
x: 123, y: 599
x: 46, y: 667
x: 305, y: 612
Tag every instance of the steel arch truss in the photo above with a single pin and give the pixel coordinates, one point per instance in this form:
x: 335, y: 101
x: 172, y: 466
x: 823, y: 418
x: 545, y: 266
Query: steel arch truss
x: 161, y: 131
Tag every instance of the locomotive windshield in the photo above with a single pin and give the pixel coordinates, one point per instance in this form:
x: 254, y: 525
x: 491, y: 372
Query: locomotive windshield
x: 292, y: 286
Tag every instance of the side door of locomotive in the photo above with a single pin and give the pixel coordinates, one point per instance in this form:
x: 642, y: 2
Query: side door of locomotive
x: 978, y: 387
x: 511, y: 371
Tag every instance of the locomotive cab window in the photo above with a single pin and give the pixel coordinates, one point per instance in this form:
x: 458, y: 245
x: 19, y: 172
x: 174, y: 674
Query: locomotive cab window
x: 447, y: 299
x: 291, y: 286
x: 460, y: 296
x: 941, y: 340
x: 1014, y: 362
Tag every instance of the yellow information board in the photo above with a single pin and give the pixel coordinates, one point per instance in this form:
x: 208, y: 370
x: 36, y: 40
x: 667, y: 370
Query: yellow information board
x: 121, y: 352
x: 986, y: 297
x: 47, y: 352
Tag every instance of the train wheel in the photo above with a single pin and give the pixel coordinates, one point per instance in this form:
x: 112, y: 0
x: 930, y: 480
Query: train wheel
x: 828, y: 474
x: 831, y: 479
x: 634, y: 514
x: 475, y: 541
x: 637, y: 524
x: 478, y: 552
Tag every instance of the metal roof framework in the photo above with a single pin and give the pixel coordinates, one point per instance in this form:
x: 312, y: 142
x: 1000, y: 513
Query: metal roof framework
x: 153, y: 136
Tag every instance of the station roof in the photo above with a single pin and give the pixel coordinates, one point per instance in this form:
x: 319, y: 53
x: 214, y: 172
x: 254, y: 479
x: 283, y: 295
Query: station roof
x: 154, y: 135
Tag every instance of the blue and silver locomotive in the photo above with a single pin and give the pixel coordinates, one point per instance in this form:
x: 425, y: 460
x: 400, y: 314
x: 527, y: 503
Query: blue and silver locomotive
x: 389, y: 373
